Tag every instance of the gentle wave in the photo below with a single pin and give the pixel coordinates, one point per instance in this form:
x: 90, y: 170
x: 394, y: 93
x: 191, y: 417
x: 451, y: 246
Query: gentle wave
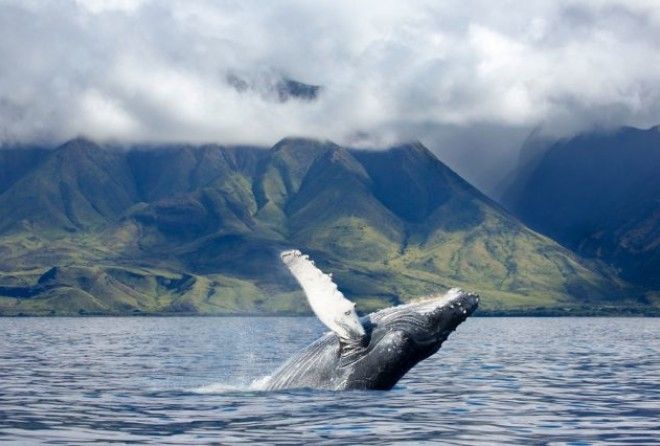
x: 200, y: 380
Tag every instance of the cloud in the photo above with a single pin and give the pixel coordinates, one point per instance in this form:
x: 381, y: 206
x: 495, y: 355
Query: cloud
x: 158, y: 70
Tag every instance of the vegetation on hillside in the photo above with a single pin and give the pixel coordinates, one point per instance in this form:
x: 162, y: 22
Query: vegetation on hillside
x: 182, y: 229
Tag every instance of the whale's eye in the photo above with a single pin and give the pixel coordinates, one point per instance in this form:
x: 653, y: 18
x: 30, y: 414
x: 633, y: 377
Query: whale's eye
x: 348, y: 313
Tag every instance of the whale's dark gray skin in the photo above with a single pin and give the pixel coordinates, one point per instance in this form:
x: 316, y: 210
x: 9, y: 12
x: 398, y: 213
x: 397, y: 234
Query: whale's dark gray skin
x: 396, y: 339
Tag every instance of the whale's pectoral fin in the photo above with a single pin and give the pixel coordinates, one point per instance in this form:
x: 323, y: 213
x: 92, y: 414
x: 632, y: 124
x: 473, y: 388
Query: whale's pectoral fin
x: 327, y: 302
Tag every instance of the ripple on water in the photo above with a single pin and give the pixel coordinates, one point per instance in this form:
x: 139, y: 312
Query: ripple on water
x: 196, y: 380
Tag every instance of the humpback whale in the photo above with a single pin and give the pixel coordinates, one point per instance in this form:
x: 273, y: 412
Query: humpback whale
x: 368, y: 353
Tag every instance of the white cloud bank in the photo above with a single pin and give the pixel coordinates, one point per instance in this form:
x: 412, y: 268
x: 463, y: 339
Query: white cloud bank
x: 157, y: 70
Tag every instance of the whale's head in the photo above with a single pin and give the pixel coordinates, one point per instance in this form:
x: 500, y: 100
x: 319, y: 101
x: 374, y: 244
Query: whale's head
x: 399, y: 337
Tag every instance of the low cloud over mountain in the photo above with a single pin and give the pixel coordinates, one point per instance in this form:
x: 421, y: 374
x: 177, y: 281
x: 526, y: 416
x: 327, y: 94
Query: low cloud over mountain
x: 158, y: 70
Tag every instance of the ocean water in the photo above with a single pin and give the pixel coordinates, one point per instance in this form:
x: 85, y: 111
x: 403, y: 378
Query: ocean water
x: 188, y: 380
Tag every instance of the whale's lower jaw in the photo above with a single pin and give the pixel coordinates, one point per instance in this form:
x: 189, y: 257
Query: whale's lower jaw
x: 397, y: 339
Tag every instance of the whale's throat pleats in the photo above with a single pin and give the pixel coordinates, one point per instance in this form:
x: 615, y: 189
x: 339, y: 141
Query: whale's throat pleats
x: 350, y: 350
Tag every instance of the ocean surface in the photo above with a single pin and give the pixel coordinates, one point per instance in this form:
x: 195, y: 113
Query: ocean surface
x: 189, y: 380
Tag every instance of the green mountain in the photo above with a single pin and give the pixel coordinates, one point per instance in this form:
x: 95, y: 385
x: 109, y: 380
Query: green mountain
x: 599, y: 195
x: 86, y: 229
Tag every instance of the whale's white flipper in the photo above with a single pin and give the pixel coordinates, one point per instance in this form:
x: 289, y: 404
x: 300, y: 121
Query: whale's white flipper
x: 327, y: 302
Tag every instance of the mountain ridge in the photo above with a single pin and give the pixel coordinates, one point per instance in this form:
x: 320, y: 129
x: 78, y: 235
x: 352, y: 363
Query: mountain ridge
x: 197, y: 229
x: 598, y: 194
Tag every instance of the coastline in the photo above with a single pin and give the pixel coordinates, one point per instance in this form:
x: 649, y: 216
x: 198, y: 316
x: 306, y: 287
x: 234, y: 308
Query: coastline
x: 515, y: 313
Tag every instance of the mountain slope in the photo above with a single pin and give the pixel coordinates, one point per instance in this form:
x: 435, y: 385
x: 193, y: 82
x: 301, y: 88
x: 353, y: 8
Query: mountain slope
x: 599, y: 194
x: 18, y: 161
x: 78, y: 186
x: 199, y: 229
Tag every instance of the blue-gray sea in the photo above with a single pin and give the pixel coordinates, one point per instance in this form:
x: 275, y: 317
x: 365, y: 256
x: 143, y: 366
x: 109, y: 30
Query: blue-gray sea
x: 191, y: 381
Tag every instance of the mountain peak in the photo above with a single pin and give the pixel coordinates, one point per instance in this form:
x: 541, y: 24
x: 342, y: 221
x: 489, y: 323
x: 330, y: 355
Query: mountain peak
x: 298, y: 141
x: 78, y: 145
x: 79, y: 141
x: 413, y: 149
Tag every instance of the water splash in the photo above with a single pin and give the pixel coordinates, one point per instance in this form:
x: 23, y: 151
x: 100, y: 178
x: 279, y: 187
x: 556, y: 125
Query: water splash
x: 257, y: 385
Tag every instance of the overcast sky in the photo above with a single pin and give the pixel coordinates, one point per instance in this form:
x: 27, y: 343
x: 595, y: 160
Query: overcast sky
x: 469, y: 78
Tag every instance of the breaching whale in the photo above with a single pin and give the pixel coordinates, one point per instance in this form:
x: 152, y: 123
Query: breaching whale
x: 372, y: 352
